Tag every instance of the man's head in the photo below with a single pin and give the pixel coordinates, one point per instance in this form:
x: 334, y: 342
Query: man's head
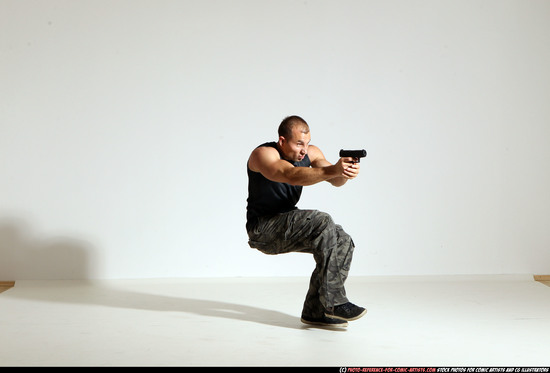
x: 294, y: 138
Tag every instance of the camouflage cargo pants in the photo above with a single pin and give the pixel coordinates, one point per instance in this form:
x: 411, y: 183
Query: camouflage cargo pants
x: 310, y: 231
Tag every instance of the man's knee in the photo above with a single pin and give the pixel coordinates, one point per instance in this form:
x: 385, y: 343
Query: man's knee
x: 344, y: 238
x: 323, y: 221
x: 326, y: 225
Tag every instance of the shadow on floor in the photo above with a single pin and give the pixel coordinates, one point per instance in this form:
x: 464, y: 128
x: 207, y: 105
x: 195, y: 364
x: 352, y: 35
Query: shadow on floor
x: 84, y: 292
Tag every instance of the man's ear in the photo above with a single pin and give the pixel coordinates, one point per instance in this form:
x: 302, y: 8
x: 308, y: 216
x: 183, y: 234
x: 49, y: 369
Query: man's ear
x: 281, y: 141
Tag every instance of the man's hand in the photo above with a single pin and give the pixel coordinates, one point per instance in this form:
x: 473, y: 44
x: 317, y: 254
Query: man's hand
x: 348, y: 169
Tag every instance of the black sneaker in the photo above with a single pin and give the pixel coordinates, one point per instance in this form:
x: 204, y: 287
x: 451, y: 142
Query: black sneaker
x: 324, y: 321
x: 347, y: 311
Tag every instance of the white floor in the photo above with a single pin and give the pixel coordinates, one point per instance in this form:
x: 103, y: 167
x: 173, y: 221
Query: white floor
x: 440, y: 321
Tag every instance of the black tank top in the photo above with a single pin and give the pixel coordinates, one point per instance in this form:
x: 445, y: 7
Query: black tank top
x: 266, y: 197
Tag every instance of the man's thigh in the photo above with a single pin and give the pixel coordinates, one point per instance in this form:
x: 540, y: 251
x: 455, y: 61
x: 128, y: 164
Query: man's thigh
x: 293, y: 231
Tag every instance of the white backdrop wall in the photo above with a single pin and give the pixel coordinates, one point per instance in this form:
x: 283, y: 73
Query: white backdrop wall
x: 126, y: 126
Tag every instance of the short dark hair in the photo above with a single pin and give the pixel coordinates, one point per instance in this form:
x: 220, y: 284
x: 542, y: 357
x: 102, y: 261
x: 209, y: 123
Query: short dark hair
x: 289, y: 123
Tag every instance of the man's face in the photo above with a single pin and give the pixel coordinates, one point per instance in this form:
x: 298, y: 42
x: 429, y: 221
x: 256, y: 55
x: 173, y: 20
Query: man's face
x: 295, y: 148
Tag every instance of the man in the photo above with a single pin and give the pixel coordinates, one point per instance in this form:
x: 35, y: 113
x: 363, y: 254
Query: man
x: 277, y: 171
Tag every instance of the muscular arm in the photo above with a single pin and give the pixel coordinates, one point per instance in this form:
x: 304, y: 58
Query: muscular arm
x: 267, y: 161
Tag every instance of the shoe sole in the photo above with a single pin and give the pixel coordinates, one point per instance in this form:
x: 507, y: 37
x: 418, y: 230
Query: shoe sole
x: 347, y: 319
x: 320, y: 323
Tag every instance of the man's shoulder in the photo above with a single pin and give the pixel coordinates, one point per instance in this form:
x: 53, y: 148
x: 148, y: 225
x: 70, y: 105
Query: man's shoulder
x: 315, y: 153
x: 266, y: 152
x: 266, y: 148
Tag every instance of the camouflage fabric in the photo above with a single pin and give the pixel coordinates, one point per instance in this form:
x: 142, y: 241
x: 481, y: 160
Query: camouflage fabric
x: 310, y: 231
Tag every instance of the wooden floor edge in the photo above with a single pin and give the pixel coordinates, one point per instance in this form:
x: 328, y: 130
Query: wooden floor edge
x: 541, y: 277
x: 6, y: 285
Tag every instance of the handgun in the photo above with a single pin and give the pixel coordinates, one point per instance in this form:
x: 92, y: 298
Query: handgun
x: 356, y: 154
